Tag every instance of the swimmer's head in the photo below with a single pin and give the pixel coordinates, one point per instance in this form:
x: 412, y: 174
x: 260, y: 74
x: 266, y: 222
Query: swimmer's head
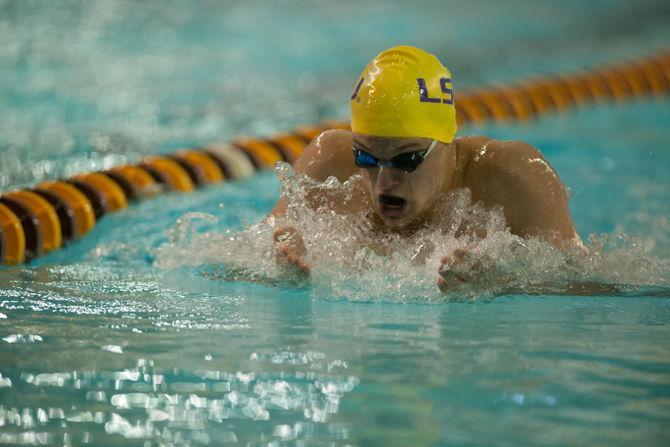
x: 402, y: 106
x: 404, y: 175
x: 404, y: 92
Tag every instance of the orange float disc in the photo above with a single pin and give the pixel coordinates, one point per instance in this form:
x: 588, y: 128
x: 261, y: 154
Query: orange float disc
x: 169, y: 172
x: 63, y: 211
x: 143, y: 183
x: 108, y: 188
x: 263, y: 154
x: 497, y: 108
x: 46, y: 215
x: 472, y: 109
x: 578, y: 89
x: 13, y: 239
x: 655, y: 77
x: 520, y: 102
x: 617, y: 85
x: 205, y: 167
x: 80, y: 205
x: 290, y: 145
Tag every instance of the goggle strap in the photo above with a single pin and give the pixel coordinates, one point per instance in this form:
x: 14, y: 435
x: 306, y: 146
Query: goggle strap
x: 430, y: 148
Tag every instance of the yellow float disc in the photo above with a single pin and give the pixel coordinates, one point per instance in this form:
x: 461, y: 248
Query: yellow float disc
x: 142, y: 181
x: 559, y: 94
x: 616, y: 84
x: 541, y: 101
x: 596, y: 86
x: 108, y: 188
x: 49, y: 224
x: 637, y: 83
x: 13, y: 239
x: 520, y: 102
x: 208, y: 170
x: 663, y: 62
x: 65, y: 215
x: 499, y: 110
x: 652, y: 72
x: 262, y: 153
x: 577, y: 88
x: 78, y: 203
x: 127, y: 187
x: 290, y: 145
x: 171, y: 172
x: 471, y: 108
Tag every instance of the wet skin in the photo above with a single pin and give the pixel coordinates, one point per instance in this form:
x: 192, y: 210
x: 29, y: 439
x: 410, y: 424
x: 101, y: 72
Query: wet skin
x: 511, y: 175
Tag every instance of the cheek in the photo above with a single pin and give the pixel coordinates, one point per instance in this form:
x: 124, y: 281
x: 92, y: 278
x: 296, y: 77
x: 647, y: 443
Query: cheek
x: 421, y: 187
x: 370, y: 177
x: 418, y: 183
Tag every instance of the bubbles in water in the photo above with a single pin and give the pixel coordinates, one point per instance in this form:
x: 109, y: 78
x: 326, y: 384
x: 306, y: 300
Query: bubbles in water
x: 353, y: 257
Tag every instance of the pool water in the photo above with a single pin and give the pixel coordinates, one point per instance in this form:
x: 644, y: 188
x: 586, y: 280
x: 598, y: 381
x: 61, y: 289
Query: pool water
x: 138, y: 335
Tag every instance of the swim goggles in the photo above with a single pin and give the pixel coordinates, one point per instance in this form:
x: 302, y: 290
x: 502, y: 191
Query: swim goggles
x: 407, y: 161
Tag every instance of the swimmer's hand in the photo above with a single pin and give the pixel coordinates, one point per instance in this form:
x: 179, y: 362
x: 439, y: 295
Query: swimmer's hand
x: 291, y: 252
x: 462, y: 268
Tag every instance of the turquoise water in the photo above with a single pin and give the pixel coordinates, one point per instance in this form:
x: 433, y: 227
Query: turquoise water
x: 132, y: 336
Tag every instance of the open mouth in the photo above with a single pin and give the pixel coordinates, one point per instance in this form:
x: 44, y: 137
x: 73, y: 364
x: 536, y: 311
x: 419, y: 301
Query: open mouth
x: 392, y: 206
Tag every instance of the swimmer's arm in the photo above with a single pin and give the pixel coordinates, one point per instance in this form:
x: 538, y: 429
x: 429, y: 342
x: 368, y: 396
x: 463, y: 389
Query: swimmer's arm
x: 323, y: 157
x: 533, y: 197
x: 327, y: 155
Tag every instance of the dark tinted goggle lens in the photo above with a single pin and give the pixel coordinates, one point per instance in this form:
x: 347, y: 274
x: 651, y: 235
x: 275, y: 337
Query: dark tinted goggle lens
x: 407, y: 162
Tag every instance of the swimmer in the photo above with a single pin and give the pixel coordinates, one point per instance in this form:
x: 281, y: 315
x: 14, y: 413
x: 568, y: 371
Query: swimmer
x: 403, y: 150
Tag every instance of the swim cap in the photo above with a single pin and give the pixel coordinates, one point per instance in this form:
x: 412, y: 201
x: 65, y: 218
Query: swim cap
x: 404, y: 92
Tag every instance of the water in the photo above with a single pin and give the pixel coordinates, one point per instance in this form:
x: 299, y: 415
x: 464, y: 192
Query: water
x: 136, y: 335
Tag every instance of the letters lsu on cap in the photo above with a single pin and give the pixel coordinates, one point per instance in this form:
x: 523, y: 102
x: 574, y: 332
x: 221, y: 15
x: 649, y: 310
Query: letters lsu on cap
x: 404, y: 92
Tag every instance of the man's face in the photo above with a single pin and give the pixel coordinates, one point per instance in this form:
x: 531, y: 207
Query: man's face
x: 401, y: 197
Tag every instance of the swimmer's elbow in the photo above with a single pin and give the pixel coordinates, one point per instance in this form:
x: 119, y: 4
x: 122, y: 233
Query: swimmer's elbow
x: 278, y: 211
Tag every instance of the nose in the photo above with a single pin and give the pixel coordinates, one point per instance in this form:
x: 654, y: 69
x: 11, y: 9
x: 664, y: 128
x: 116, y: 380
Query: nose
x: 388, y: 178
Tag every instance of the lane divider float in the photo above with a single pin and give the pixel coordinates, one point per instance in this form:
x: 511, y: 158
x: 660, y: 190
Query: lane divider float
x: 36, y: 221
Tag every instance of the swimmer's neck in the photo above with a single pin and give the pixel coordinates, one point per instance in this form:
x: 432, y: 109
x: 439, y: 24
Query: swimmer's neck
x: 455, y: 169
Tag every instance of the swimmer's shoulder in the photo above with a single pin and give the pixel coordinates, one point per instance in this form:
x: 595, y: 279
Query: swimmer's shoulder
x: 515, y: 176
x: 468, y: 147
x: 329, y: 154
x: 485, y: 158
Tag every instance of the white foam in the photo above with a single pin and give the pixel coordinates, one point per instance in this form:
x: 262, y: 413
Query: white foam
x: 351, y: 260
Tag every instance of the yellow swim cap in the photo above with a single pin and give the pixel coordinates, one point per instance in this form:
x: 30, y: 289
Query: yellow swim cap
x: 404, y: 92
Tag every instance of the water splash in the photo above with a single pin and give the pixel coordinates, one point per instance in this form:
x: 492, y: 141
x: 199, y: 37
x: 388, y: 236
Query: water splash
x: 352, y: 258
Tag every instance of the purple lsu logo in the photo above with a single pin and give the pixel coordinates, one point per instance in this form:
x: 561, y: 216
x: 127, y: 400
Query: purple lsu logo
x: 423, y: 91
